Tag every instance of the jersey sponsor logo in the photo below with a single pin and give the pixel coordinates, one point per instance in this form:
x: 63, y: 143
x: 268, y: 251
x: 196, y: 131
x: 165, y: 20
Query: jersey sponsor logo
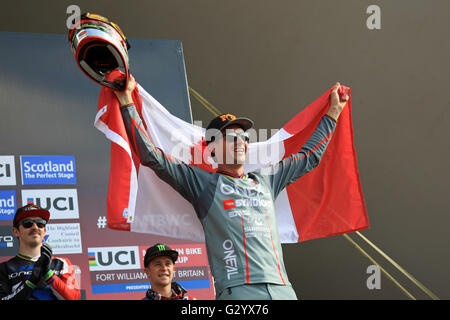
x: 229, y: 204
x: 258, y: 230
x: 238, y: 213
x: 252, y: 203
x: 228, y: 189
x: 230, y: 259
x: 48, y: 170
x: 240, y: 203
x: 26, y: 270
x: 7, y: 171
x: 22, y: 273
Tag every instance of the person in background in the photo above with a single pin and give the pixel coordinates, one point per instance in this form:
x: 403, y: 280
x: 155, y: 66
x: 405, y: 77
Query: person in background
x: 159, y: 262
x: 34, y: 273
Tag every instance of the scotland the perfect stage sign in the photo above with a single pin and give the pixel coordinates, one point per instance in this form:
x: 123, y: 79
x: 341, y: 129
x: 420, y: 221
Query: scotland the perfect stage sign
x: 48, y: 170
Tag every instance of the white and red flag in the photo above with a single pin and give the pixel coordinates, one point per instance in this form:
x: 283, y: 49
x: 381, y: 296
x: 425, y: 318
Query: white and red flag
x: 327, y: 201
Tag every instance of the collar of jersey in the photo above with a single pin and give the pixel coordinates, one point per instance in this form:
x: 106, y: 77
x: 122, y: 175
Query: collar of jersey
x: 24, y: 257
x: 226, y: 173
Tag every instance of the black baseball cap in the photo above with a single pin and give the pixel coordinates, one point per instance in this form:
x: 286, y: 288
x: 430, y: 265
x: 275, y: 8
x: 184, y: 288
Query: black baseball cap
x: 30, y: 210
x: 159, y: 250
x: 224, y: 120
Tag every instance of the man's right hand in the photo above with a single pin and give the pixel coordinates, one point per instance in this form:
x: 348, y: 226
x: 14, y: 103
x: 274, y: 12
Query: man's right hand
x: 125, y: 97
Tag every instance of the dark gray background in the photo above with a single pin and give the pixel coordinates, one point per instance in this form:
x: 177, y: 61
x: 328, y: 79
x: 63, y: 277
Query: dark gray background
x: 269, y: 59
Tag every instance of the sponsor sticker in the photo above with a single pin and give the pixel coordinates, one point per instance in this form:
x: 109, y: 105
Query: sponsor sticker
x: 81, y: 35
x: 48, y: 170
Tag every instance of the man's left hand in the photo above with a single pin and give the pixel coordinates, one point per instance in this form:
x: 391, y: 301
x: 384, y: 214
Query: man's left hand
x: 337, y: 103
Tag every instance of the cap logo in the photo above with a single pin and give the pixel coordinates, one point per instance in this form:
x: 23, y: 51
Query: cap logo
x: 161, y: 247
x: 228, y: 117
x: 30, y: 208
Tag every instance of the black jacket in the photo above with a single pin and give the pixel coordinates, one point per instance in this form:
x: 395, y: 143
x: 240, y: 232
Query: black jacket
x: 61, y: 285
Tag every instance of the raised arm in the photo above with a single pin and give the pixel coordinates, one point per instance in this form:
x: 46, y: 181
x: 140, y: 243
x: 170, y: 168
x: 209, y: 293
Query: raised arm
x: 292, y: 168
x: 183, y: 178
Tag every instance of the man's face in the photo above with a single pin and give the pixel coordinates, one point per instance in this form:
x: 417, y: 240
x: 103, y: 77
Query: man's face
x: 232, y: 147
x: 31, y: 236
x: 160, y: 271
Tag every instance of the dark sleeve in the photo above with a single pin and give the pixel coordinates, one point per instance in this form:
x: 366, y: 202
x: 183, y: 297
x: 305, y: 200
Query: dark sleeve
x: 64, y: 285
x: 21, y: 292
x: 187, y: 180
x: 290, y: 169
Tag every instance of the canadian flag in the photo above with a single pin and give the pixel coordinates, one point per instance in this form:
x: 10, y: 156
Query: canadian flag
x: 327, y: 201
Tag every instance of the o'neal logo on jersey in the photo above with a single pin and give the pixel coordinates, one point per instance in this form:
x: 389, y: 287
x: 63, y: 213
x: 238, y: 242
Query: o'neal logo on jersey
x: 228, y: 189
x: 239, y: 203
x: 230, y: 259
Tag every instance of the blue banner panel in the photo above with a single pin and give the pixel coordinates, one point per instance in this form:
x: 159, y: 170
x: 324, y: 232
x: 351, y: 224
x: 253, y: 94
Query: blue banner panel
x: 48, y: 170
x: 134, y: 287
x: 8, y: 204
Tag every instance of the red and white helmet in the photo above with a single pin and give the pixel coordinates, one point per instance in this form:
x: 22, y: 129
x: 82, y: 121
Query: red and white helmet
x: 99, y: 47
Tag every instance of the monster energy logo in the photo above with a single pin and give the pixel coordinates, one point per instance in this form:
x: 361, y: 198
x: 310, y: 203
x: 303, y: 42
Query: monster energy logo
x: 161, y: 247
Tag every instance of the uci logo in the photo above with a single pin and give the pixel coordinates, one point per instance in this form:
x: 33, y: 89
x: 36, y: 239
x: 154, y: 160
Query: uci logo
x: 114, y: 258
x: 62, y: 203
x: 7, y: 171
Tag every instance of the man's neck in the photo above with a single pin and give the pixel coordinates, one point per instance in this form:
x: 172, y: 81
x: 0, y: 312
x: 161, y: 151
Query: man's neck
x: 30, y: 251
x: 233, y: 169
x: 164, y: 291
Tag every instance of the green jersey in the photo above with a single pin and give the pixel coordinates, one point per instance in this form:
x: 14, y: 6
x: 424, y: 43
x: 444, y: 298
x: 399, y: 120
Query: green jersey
x: 237, y: 214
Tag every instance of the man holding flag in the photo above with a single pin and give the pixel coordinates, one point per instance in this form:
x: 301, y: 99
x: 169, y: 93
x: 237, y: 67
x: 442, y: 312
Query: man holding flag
x: 236, y: 210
